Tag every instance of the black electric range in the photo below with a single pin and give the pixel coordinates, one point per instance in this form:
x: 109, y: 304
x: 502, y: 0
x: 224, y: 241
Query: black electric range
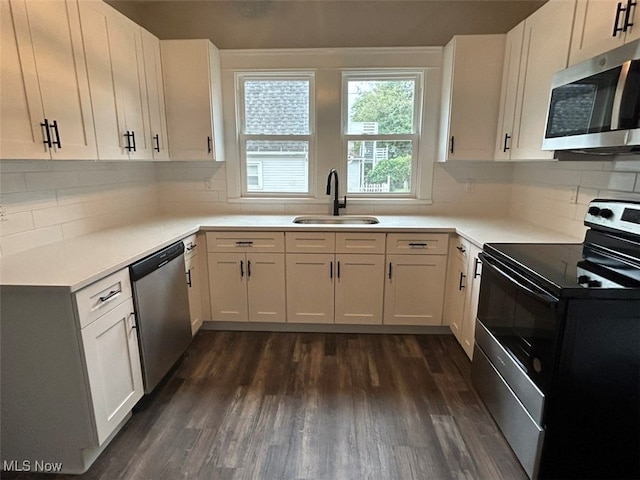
x: 557, y: 358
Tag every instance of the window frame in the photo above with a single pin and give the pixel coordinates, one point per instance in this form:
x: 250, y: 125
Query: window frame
x: 415, y: 75
x: 243, y: 137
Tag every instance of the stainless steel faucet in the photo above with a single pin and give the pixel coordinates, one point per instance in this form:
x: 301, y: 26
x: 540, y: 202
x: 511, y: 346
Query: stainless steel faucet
x: 336, y: 203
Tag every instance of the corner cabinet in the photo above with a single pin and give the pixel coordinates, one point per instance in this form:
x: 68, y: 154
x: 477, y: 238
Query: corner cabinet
x: 77, y: 355
x: 45, y: 105
x: 462, y: 291
x: 193, y: 96
x: 535, y: 50
x: 602, y: 25
x: 471, y: 93
x: 416, y: 268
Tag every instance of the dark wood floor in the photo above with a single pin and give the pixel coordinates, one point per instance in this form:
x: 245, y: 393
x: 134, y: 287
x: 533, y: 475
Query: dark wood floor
x: 246, y: 405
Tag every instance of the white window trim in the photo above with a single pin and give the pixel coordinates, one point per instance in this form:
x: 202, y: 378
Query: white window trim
x: 328, y: 65
x: 414, y: 137
x: 242, y: 138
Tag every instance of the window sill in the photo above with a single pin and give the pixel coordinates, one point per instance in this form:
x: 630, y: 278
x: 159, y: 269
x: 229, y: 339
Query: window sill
x: 326, y: 201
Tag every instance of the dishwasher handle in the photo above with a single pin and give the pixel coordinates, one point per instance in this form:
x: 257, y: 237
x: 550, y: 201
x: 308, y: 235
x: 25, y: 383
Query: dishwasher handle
x: 154, y: 261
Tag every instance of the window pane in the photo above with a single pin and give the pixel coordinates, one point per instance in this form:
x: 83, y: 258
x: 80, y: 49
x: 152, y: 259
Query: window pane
x: 276, y: 107
x: 380, y: 106
x: 284, y: 166
x: 375, y: 166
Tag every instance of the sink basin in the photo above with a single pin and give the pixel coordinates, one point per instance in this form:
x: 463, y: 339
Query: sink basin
x: 334, y: 220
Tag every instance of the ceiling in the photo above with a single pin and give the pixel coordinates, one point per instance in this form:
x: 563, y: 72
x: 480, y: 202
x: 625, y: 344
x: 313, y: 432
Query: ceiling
x: 245, y: 24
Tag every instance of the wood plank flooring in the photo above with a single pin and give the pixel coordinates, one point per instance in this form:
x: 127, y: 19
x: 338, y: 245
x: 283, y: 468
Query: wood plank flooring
x: 252, y: 405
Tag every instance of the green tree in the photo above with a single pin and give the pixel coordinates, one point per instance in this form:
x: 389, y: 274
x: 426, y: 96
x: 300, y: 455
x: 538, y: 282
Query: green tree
x: 389, y: 103
x: 398, y: 170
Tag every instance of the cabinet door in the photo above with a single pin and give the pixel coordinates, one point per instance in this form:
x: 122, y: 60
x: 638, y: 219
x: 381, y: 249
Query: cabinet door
x: 194, y: 283
x: 310, y: 288
x: 52, y: 54
x: 509, y: 92
x: 228, y: 287
x: 359, y: 289
x: 108, y: 105
x: 414, y: 289
x: 545, y: 51
x: 266, y: 287
x: 155, y: 96
x: 186, y: 71
x: 117, y: 81
x: 113, y: 367
x: 593, y: 29
x: 471, y: 302
x: 473, y: 96
x: 20, y: 104
x: 456, y: 287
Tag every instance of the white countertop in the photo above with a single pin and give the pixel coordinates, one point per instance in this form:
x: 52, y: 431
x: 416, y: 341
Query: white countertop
x: 75, y: 263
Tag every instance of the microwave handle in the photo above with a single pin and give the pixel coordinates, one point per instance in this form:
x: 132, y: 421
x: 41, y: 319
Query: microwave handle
x: 543, y: 297
x: 617, y: 98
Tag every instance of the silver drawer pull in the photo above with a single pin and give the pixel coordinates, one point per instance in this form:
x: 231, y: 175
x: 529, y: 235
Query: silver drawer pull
x: 417, y: 245
x: 109, y: 296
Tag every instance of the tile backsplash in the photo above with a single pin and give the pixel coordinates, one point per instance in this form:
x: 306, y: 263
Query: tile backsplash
x: 557, y: 194
x: 44, y: 201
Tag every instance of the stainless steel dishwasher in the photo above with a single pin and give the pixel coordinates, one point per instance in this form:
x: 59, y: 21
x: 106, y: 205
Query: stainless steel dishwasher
x: 162, y: 308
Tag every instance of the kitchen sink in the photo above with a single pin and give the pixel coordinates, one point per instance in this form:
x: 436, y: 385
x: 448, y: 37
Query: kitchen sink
x: 336, y: 220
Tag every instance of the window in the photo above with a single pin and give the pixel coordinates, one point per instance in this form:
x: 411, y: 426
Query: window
x: 381, y: 117
x: 276, y: 120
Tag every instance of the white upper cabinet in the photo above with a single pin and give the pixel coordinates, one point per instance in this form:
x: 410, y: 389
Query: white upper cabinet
x: 545, y: 51
x: 472, y: 73
x: 509, y: 92
x: 193, y: 96
x: 117, y: 80
x: 601, y: 25
x: 45, y: 103
x: 155, y: 96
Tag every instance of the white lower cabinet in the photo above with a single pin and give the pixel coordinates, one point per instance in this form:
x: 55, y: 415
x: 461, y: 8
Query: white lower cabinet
x: 70, y: 370
x: 463, y: 290
x: 343, y: 284
x: 246, y: 276
x: 310, y: 288
x: 113, y: 367
x: 414, y: 289
x: 194, y: 280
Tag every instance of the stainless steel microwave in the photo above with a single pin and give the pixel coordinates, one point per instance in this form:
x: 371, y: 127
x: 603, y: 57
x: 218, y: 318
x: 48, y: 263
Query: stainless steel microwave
x: 595, y: 105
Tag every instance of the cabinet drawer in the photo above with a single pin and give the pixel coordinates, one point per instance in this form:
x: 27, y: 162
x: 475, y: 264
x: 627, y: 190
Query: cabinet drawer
x: 310, y: 242
x: 245, y: 241
x: 418, y: 243
x: 190, y: 246
x: 102, y: 296
x: 460, y: 247
x: 360, y: 242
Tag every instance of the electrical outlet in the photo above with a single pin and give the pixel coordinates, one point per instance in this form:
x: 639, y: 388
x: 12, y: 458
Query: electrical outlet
x: 3, y: 213
x: 470, y: 186
x: 208, y: 185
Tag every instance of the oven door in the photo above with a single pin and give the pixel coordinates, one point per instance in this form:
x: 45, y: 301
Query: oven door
x: 522, y: 317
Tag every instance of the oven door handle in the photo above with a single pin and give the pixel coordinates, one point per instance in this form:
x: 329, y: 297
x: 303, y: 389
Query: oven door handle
x: 500, y: 270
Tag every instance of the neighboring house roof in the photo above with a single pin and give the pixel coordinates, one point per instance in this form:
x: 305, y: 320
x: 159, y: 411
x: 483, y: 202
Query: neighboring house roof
x: 277, y: 107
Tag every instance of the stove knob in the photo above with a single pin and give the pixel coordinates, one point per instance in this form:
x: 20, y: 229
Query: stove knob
x: 595, y: 211
x: 606, y: 213
x: 583, y: 279
x: 594, y: 283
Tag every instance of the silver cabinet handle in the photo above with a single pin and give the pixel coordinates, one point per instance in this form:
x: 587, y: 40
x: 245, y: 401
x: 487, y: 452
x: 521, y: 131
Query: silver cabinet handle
x: 109, y: 296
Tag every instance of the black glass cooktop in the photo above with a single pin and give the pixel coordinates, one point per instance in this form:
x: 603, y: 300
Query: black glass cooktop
x: 553, y: 266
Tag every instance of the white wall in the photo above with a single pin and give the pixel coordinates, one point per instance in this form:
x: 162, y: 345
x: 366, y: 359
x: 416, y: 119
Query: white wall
x: 47, y: 201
